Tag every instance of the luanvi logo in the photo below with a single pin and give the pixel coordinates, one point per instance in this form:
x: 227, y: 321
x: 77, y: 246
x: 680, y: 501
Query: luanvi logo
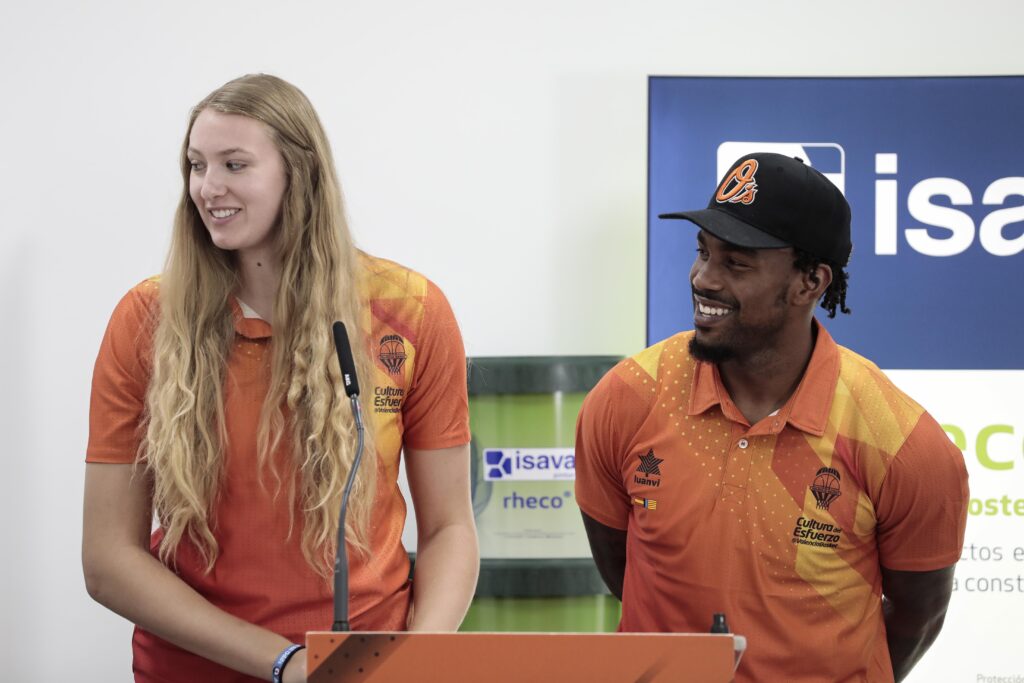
x: 392, y: 353
x: 649, y: 467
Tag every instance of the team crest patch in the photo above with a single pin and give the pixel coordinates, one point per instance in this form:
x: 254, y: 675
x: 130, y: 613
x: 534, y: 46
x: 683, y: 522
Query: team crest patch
x: 392, y: 353
x: 826, y: 487
x: 740, y: 186
x: 814, y: 532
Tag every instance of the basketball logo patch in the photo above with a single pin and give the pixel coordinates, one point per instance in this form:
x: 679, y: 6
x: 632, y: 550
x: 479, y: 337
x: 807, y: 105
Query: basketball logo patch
x: 392, y: 353
x: 825, y: 487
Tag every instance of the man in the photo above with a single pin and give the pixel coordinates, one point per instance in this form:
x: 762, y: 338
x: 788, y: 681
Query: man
x: 754, y: 467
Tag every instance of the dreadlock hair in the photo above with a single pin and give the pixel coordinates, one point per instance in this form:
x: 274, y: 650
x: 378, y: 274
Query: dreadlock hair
x: 835, y: 296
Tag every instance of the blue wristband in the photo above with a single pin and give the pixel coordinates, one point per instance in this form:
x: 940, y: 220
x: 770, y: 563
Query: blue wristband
x: 282, y: 661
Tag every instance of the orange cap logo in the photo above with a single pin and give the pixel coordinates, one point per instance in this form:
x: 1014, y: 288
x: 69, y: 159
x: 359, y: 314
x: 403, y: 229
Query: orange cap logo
x: 740, y: 186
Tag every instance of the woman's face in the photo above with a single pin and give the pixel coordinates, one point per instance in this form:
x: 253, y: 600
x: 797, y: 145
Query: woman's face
x: 237, y: 181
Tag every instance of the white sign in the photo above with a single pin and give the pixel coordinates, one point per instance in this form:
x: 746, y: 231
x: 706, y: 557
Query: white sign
x: 529, y: 464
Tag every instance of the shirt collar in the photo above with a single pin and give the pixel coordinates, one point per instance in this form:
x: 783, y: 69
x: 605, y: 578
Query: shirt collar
x: 250, y: 328
x: 807, y: 409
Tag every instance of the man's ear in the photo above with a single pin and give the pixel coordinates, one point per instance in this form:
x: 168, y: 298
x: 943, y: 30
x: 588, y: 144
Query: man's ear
x: 812, y: 284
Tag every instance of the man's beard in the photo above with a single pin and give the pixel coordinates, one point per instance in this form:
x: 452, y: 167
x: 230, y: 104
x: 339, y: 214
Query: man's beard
x: 710, y: 353
x: 743, y: 341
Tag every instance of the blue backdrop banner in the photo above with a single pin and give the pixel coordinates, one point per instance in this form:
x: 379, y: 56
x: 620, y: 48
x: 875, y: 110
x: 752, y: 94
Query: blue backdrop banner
x: 933, y: 169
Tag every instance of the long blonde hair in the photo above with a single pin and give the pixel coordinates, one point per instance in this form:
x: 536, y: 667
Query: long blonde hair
x: 319, y: 282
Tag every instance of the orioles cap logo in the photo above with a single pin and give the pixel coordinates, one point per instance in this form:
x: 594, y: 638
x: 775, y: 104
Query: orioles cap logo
x: 740, y: 186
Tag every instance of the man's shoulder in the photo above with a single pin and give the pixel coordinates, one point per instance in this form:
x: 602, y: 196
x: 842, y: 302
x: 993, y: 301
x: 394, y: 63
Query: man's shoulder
x: 861, y: 376
x: 640, y: 378
x: 657, y: 362
x: 874, y: 409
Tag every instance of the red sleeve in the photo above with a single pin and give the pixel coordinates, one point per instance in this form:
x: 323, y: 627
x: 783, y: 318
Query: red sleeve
x: 608, y: 422
x: 436, y: 411
x: 922, y: 506
x: 120, y: 378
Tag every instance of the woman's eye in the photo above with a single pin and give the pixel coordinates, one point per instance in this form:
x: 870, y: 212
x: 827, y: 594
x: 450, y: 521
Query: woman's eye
x: 196, y: 166
x: 235, y: 165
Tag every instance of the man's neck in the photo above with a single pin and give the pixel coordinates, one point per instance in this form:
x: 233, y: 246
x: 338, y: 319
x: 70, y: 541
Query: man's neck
x: 762, y: 383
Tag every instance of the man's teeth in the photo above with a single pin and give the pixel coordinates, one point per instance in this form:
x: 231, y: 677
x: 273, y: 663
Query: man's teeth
x: 224, y: 213
x: 710, y: 310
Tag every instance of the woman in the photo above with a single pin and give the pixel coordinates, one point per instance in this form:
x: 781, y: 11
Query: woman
x: 217, y: 406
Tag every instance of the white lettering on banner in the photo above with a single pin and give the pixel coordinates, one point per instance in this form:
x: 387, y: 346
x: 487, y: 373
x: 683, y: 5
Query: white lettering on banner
x: 959, y: 224
x: 885, y: 197
x: 991, y: 231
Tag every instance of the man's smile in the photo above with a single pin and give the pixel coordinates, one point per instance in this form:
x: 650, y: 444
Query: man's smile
x: 709, y: 312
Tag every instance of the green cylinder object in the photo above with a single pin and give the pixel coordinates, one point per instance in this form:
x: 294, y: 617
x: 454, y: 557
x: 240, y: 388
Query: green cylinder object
x: 536, y: 570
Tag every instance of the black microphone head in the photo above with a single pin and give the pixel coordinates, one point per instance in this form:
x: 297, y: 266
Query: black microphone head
x: 345, y: 360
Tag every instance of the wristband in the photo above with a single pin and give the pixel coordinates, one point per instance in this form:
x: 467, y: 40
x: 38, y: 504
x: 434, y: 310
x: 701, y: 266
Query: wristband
x: 277, y: 675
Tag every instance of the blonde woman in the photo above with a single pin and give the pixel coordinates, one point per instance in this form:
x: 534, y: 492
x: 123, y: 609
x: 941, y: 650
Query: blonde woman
x: 217, y: 407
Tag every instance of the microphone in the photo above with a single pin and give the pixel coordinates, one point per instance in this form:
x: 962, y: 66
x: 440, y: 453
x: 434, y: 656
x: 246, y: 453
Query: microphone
x: 348, y: 375
x: 348, y: 365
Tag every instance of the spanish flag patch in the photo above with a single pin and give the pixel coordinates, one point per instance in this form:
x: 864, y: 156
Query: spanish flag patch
x: 646, y: 503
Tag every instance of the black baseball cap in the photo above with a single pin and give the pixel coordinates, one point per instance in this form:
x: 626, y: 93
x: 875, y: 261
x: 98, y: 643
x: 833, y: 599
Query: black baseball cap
x: 770, y: 201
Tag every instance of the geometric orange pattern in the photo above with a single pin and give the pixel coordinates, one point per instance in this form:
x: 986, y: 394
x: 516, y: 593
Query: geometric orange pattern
x: 782, y: 525
x: 261, y: 575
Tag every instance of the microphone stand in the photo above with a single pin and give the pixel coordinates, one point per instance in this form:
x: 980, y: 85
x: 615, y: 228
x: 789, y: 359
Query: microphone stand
x: 348, y: 373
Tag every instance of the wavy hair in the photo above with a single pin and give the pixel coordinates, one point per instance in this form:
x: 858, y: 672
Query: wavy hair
x: 305, y: 411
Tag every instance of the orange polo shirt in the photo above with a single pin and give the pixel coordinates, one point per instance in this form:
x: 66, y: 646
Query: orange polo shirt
x: 416, y: 397
x: 782, y: 525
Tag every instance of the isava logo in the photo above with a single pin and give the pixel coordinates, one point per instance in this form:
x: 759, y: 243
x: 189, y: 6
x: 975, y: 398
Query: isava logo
x: 529, y: 464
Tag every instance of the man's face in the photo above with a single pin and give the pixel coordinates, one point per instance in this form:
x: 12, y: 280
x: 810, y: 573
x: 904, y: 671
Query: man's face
x: 740, y: 298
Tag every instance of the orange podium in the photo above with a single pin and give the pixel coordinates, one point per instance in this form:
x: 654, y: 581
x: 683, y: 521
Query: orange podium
x: 334, y: 657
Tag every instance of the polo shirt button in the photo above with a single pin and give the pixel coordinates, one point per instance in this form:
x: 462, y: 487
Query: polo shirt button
x: 743, y: 443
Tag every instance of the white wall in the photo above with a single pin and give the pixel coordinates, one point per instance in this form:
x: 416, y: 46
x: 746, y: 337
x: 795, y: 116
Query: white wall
x: 499, y: 147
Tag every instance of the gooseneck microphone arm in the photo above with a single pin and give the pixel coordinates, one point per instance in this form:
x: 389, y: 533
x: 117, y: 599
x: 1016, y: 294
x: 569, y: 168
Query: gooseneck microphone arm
x: 348, y: 375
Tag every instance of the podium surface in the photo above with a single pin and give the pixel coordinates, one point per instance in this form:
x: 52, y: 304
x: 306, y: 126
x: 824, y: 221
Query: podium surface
x: 517, y: 657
